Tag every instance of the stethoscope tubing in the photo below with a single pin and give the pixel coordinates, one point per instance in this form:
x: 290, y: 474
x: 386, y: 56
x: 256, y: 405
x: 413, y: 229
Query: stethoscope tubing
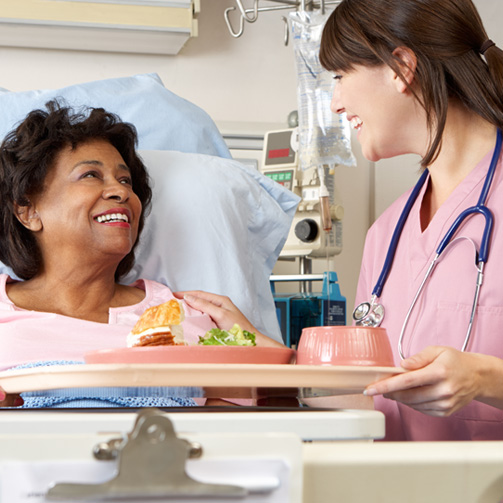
x: 486, y: 236
x: 480, y: 207
x: 390, y: 255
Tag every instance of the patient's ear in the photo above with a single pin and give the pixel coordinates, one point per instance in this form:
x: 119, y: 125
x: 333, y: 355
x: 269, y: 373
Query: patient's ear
x: 28, y: 216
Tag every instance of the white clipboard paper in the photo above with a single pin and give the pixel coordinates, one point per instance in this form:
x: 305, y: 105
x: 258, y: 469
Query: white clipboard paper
x: 267, y: 480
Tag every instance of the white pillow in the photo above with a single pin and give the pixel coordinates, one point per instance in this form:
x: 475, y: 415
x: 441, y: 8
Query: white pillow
x: 164, y: 120
x: 216, y: 225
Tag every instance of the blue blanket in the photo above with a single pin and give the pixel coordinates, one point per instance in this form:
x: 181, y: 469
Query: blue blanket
x: 106, y: 397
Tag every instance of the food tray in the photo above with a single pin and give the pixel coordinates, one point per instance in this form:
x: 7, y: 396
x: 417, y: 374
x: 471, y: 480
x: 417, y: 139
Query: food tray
x: 214, y: 380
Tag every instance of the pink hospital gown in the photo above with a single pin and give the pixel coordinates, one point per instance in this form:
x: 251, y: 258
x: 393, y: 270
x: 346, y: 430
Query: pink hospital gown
x: 30, y: 336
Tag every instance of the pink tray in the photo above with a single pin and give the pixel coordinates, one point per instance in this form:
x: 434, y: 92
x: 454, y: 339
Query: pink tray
x: 222, y: 380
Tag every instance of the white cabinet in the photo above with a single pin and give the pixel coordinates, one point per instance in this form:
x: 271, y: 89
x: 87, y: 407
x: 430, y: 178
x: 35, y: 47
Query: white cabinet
x: 134, y: 26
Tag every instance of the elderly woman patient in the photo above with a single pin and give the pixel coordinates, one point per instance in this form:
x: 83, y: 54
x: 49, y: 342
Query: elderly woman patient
x: 74, y: 195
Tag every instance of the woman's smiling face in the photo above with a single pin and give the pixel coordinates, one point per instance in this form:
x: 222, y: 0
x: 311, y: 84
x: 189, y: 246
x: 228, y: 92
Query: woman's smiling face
x: 88, y: 205
x: 377, y: 108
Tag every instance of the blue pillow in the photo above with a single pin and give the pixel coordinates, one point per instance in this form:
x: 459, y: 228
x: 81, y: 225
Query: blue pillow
x: 215, y: 225
x: 164, y: 120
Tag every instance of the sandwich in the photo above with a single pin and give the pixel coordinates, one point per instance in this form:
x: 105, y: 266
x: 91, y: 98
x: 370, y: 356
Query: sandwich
x: 159, y: 326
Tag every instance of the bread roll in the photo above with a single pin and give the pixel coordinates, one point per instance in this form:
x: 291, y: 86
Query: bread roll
x: 159, y: 326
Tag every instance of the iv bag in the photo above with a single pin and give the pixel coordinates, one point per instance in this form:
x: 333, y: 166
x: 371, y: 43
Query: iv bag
x: 324, y: 137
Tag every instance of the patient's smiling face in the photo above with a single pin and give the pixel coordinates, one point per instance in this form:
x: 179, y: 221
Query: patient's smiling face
x: 88, y: 205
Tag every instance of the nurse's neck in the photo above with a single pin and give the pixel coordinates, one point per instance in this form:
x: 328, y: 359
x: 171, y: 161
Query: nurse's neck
x: 467, y: 139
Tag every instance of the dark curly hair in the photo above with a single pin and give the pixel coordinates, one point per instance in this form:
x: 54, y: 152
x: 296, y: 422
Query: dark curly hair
x: 28, y: 153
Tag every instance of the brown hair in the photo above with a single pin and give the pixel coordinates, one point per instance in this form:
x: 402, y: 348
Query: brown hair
x: 446, y: 37
x: 26, y: 156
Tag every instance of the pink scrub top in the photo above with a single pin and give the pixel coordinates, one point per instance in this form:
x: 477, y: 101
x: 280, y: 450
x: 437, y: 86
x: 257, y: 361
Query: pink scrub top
x: 441, y: 314
x: 31, y: 336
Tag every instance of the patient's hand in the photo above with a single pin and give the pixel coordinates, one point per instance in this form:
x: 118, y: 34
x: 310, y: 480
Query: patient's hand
x: 224, y: 313
x: 10, y: 400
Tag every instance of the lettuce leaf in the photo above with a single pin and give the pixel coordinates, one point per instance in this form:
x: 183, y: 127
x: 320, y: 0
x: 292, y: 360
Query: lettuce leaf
x: 233, y: 337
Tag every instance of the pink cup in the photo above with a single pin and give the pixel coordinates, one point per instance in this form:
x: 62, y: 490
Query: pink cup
x: 345, y: 345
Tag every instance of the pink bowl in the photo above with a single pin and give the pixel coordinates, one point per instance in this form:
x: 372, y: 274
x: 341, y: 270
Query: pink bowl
x: 344, y: 345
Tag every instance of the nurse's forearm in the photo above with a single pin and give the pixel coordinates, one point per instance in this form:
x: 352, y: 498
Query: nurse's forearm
x: 492, y: 388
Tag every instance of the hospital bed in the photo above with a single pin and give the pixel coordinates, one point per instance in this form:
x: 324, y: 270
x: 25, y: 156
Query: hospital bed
x: 212, y: 214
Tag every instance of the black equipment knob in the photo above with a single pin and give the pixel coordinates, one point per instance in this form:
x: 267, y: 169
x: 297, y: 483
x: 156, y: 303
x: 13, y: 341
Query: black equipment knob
x: 306, y: 230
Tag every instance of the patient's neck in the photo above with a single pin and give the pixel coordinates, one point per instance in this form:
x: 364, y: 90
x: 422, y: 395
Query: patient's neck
x: 77, y: 294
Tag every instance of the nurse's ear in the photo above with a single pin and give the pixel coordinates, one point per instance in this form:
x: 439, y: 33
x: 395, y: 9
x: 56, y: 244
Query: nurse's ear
x: 28, y: 216
x: 407, y: 64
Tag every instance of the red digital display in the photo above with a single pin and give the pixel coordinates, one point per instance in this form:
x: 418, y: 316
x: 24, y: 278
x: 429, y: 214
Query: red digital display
x: 279, y: 152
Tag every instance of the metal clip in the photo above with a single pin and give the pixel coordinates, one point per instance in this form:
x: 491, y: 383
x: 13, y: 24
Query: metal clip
x: 244, y: 13
x: 235, y: 34
x: 151, y: 464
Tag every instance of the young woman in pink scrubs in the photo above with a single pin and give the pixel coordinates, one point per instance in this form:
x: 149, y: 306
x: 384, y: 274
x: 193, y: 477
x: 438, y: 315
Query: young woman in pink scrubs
x: 423, y: 77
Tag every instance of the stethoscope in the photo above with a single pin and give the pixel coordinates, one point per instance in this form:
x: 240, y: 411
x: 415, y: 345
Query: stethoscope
x: 371, y: 313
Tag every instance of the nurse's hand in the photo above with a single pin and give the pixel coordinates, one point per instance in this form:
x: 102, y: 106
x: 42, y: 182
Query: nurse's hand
x: 9, y: 400
x: 440, y: 381
x: 224, y: 313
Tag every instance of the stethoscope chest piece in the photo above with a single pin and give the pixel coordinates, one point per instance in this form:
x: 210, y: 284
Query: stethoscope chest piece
x: 368, y: 314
